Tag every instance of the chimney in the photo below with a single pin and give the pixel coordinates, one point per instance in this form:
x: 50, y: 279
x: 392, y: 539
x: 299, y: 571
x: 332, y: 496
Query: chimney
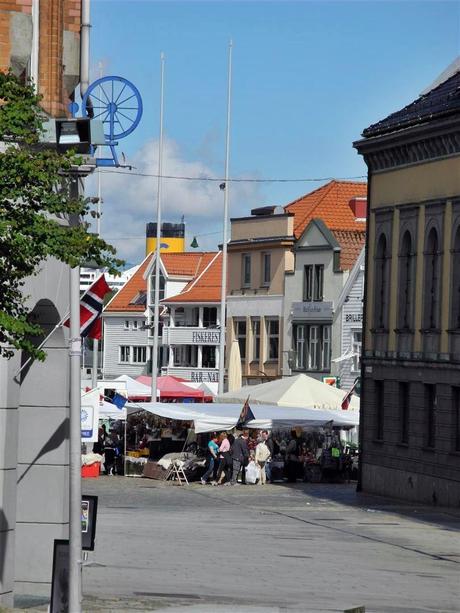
x: 359, y: 205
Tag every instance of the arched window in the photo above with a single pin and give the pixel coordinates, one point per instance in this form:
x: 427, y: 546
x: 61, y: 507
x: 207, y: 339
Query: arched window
x: 432, y: 282
x: 406, y: 283
x: 381, y: 284
x: 455, y: 299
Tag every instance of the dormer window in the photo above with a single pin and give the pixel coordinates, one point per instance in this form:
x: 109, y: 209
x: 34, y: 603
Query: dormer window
x: 140, y: 298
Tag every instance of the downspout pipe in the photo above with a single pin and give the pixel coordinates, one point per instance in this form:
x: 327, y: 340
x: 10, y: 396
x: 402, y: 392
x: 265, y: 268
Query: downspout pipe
x: 84, y: 46
x: 34, y: 59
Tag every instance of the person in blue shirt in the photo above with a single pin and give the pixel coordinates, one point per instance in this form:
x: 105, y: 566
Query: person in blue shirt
x: 211, y: 456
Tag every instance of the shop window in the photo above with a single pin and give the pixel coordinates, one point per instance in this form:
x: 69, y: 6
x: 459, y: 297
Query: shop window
x: 456, y: 416
x: 356, y: 347
x: 313, y: 283
x: 240, y: 335
x: 255, y: 339
x: 379, y: 409
x: 312, y: 345
x: 246, y: 269
x: 406, y: 283
x: 139, y: 355
x: 455, y: 299
x: 266, y: 269
x: 430, y: 416
x: 404, y: 389
x: 209, y: 317
x: 125, y: 354
x: 208, y: 356
x: 381, y: 284
x: 319, y: 281
x: 299, y: 340
x: 273, y: 331
x: 432, y: 282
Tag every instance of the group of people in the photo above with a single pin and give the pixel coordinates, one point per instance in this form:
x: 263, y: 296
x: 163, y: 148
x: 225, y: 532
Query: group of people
x: 227, y: 457
x: 110, y: 445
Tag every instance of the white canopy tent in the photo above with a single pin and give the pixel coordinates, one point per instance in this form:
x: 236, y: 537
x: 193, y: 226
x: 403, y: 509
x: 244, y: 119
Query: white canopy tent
x: 214, y: 416
x: 297, y: 391
x: 135, y: 388
x: 107, y: 410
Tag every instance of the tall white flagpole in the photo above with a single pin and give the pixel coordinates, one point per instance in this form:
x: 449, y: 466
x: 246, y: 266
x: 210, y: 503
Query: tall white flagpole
x: 223, y: 295
x: 156, y: 313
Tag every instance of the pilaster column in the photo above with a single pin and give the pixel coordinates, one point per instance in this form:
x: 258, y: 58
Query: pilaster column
x: 446, y: 276
x: 370, y: 272
x: 394, y: 288
x: 419, y: 280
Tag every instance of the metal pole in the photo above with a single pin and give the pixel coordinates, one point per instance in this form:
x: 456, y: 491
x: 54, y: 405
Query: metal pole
x: 223, y: 294
x: 75, y: 589
x: 156, y: 311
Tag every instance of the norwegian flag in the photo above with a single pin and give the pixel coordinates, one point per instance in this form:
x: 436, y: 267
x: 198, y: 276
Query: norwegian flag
x: 347, y: 399
x: 91, y: 304
x: 245, y: 415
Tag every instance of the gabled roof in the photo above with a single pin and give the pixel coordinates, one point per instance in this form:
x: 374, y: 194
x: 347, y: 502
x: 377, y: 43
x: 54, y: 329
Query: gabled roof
x: 441, y: 101
x: 351, y: 243
x: 132, y: 297
x: 128, y: 297
x: 206, y: 287
x: 329, y: 203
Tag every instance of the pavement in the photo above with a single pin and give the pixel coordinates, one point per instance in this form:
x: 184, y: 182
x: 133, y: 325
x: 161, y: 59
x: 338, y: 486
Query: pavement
x: 263, y: 549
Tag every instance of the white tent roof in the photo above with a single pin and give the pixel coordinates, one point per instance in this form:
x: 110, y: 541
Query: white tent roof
x: 108, y: 410
x: 208, y: 417
x: 296, y: 391
x: 135, y: 388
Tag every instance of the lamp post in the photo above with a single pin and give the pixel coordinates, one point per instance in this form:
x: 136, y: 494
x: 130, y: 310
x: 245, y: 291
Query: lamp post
x: 223, y: 295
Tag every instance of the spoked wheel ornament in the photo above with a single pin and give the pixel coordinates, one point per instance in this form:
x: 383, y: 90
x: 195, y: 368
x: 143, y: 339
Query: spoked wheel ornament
x: 118, y: 104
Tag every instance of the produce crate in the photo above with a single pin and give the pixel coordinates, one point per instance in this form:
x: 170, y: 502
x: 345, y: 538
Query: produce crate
x: 91, y: 470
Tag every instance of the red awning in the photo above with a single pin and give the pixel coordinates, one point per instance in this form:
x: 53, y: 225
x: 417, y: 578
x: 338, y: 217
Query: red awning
x: 170, y: 387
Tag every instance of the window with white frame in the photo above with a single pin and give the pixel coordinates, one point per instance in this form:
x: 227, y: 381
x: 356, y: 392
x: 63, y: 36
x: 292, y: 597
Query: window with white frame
x: 255, y: 338
x: 312, y: 345
x: 126, y: 325
x: 313, y: 283
x: 240, y: 335
x: 356, y: 346
x: 139, y: 354
x: 246, y: 269
x: 273, y: 338
x: 319, y: 281
x: 266, y: 269
x: 135, y: 324
x: 125, y: 352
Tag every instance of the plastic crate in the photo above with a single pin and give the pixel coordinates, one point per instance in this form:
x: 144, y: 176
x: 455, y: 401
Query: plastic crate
x: 91, y: 470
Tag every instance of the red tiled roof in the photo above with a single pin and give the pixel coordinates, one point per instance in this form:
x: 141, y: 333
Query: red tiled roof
x: 184, y: 265
x: 204, y: 288
x: 132, y: 288
x: 351, y: 242
x: 329, y: 203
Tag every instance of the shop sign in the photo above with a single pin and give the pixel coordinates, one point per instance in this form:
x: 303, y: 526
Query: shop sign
x: 314, y: 311
x: 204, y: 376
x: 355, y: 318
x: 205, y: 337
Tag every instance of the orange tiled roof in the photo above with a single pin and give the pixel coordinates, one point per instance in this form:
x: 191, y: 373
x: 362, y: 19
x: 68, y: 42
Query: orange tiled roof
x: 351, y: 242
x: 184, y: 265
x: 329, y: 203
x: 204, y: 288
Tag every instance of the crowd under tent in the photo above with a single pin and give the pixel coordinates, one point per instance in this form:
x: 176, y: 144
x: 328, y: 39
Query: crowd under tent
x: 214, y: 416
x: 297, y: 391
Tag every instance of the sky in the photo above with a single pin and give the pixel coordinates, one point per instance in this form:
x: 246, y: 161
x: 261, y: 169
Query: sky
x: 307, y: 79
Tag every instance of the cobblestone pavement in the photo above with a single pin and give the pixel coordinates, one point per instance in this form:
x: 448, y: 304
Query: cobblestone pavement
x: 302, y: 548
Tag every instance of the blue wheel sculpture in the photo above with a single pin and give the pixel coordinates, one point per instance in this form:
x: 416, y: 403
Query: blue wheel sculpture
x: 117, y: 103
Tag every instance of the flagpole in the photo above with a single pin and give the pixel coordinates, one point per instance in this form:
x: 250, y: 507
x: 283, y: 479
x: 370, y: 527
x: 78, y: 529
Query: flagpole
x: 156, y: 311
x: 223, y: 295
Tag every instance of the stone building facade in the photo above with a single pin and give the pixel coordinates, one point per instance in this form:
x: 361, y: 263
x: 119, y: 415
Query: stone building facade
x: 410, y: 408
x: 38, y: 40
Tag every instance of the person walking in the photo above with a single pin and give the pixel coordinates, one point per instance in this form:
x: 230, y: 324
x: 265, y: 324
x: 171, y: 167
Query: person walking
x: 225, y: 460
x: 292, y: 458
x: 268, y: 440
x: 240, y: 456
x: 262, y: 455
x: 211, y: 456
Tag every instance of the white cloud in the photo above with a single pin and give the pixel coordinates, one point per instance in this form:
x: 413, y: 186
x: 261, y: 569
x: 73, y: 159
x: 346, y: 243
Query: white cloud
x: 129, y: 202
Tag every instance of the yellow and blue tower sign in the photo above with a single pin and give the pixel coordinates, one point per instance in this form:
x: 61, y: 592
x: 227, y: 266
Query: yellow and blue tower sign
x: 172, y: 237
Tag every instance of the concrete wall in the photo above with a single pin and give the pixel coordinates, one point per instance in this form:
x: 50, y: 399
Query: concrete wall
x: 262, y: 226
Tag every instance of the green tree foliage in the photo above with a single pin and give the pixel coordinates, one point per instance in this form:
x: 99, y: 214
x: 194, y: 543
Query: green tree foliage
x: 36, y: 205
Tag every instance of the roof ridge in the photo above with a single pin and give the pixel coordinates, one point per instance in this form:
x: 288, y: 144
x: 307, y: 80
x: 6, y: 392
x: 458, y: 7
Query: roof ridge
x: 195, y: 281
